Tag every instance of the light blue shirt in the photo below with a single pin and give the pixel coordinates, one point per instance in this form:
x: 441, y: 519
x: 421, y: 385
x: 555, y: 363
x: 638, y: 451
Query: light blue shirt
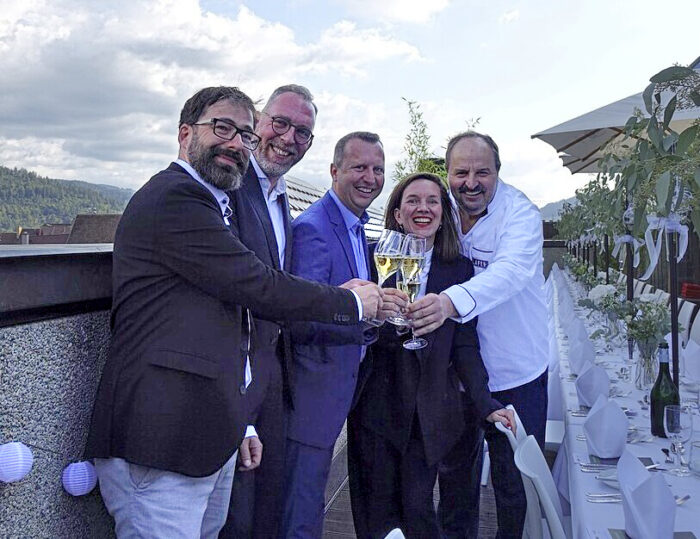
x: 352, y: 221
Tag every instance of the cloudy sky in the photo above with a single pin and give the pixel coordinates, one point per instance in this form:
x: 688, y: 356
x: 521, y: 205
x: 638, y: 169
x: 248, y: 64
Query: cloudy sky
x: 92, y: 90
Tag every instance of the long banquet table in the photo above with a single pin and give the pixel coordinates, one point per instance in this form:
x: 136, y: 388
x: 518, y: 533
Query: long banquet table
x: 594, y: 520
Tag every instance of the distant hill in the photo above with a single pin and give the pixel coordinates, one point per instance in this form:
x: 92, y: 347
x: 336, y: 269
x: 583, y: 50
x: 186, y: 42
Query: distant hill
x: 30, y: 200
x: 550, y: 212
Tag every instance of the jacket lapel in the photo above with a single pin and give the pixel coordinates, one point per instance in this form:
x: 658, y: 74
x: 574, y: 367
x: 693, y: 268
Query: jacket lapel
x: 251, y: 187
x: 288, y: 234
x: 341, y: 231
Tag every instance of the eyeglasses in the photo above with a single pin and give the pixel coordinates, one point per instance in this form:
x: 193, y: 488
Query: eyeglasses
x: 227, y: 131
x: 280, y: 125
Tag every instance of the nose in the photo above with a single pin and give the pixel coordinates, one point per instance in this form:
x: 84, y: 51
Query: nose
x: 471, y: 181
x: 236, y: 143
x: 288, y: 137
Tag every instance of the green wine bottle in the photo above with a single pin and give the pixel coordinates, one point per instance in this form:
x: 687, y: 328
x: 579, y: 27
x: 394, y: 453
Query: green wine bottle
x: 663, y: 393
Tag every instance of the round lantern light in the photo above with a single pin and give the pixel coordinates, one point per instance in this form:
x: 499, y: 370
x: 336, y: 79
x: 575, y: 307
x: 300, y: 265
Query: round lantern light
x: 79, y: 478
x: 15, y: 461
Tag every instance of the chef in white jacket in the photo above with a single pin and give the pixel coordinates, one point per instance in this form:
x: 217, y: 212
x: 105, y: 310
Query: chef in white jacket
x: 501, y: 232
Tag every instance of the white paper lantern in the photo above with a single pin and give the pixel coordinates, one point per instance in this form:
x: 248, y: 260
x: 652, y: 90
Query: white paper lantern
x: 79, y: 478
x: 15, y: 461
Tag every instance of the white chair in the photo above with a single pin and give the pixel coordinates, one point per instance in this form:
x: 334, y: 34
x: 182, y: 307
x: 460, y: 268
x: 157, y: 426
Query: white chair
x: 638, y: 285
x: 685, y: 317
x: 649, y: 289
x: 695, y: 330
x: 533, y: 517
x: 396, y: 533
x: 530, y: 461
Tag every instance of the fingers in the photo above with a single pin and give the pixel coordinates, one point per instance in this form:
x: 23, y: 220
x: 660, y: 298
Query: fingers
x: 510, y: 416
x: 504, y: 417
x: 250, y: 453
x: 371, y: 297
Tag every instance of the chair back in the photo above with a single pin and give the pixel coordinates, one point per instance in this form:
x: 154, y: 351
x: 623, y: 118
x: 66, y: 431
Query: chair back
x: 396, y: 533
x: 533, y: 517
x: 685, y: 316
x: 695, y: 330
x: 531, y: 463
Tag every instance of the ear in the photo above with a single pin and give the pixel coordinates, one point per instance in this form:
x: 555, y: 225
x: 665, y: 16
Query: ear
x: 397, y: 216
x: 334, y: 171
x: 184, y: 137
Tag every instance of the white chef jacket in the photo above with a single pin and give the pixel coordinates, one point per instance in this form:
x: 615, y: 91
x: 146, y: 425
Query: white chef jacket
x: 507, y: 290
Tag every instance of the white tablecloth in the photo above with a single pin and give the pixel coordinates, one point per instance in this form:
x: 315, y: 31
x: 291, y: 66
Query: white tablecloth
x: 592, y: 520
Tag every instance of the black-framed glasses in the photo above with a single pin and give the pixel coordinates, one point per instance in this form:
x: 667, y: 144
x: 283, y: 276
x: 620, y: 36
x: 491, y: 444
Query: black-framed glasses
x: 226, y: 130
x: 280, y: 125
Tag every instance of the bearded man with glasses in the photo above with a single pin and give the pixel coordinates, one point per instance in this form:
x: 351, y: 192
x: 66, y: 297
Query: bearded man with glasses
x: 285, y: 129
x: 172, y: 406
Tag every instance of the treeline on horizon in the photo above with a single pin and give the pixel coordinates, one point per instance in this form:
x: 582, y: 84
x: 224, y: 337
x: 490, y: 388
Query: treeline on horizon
x: 29, y: 200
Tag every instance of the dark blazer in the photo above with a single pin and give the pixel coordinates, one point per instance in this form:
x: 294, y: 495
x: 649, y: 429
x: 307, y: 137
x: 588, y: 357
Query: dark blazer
x: 272, y: 341
x: 326, y: 364
x: 172, y: 392
x: 403, y: 382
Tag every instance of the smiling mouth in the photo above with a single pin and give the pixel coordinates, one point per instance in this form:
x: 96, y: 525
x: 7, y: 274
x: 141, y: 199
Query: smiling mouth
x: 365, y: 190
x: 422, y: 221
x: 465, y: 191
x: 281, y: 152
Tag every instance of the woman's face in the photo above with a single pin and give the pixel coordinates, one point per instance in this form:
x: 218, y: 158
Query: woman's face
x: 420, y: 212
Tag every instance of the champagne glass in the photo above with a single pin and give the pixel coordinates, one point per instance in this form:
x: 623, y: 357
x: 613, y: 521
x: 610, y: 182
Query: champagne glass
x: 387, y: 258
x: 678, y: 427
x: 411, y: 267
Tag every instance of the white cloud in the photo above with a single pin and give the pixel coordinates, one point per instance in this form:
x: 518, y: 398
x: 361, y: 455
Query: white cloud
x: 509, y: 16
x: 93, y: 90
x: 413, y: 11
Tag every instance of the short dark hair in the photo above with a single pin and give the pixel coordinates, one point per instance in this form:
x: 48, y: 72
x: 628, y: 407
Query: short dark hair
x: 366, y: 136
x: 197, y: 104
x: 447, y: 247
x: 298, y: 89
x: 473, y: 134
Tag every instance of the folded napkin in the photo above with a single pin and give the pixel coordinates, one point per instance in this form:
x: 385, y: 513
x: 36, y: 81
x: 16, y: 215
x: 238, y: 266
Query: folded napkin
x: 647, y: 502
x: 592, y: 382
x: 577, y: 330
x: 581, y: 353
x: 606, y: 429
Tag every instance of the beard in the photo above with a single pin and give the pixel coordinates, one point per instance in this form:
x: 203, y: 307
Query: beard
x: 225, y: 177
x: 273, y: 169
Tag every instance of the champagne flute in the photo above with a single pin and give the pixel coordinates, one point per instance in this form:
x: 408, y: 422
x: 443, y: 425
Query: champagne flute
x: 387, y: 258
x: 678, y: 427
x: 411, y: 267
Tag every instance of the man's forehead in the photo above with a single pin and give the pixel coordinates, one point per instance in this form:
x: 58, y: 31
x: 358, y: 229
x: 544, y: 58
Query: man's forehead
x: 228, y: 110
x: 361, y: 149
x: 293, y: 106
x: 473, y: 152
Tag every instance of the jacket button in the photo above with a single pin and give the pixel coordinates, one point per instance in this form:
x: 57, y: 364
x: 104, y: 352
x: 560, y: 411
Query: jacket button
x: 242, y: 389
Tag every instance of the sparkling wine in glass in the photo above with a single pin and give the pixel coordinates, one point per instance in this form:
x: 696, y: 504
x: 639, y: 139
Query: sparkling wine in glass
x: 411, y: 267
x: 387, y: 259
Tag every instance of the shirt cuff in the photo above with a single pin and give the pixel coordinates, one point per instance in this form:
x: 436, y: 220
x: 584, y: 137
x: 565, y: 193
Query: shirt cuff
x: 463, y: 302
x: 250, y: 431
x: 360, y: 312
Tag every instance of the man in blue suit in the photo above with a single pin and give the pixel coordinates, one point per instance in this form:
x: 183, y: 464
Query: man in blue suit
x: 329, y: 246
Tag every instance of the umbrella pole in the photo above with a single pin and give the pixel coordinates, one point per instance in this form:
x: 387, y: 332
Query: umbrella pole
x: 607, y: 260
x: 629, y: 268
x: 673, y: 278
x: 595, y: 259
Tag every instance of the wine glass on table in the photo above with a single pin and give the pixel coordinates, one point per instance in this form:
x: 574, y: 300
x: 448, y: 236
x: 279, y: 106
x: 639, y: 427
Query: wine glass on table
x: 411, y: 266
x: 387, y: 258
x: 678, y: 427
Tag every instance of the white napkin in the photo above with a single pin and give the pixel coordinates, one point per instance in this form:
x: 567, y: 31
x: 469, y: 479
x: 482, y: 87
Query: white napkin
x: 581, y: 352
x: 648, y: 504
x: 606, y: 429
x: 592, y: 382
x: 577, y: 330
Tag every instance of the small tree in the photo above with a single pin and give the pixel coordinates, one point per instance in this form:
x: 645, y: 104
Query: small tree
x: 416, y: 148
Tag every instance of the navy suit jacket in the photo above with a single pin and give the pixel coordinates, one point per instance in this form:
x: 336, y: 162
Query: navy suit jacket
x: 172, y: 394
x: 251, y: 222
x: 326, y: 358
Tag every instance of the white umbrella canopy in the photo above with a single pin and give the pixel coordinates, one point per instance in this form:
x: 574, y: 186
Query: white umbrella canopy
x: 580, y: 141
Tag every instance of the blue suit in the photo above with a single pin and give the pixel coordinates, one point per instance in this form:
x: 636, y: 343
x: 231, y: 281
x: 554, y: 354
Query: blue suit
x: 325, y: 368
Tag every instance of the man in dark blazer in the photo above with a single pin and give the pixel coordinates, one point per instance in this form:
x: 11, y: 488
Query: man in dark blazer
x: 171, y: 408
x: 329, y: 247
x: 285, y: 127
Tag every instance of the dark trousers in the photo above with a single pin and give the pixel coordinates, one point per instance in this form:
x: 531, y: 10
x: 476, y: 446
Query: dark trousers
x: 389, y: 489
x: 460, y: 481
x: 306, y: 475
x: 255, y: 510
x: 530, y: 401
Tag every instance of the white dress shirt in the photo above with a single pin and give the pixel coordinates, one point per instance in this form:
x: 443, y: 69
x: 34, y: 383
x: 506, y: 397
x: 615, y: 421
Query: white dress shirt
x: 507, y: 290
x: 274, y: 206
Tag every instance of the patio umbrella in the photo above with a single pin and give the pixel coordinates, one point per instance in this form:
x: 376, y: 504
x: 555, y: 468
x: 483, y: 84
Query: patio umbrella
x: 579, y: 143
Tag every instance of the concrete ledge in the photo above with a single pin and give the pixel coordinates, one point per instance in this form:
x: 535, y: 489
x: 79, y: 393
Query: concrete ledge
x: 41, y: 282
